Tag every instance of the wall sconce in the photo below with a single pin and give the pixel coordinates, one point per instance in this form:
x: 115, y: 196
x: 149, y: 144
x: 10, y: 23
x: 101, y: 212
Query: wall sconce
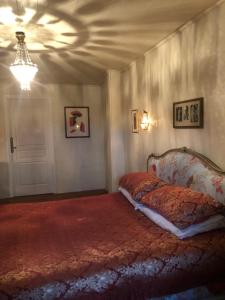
x: 147, y: 122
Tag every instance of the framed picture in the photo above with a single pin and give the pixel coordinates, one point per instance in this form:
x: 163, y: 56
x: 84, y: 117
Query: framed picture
x: 77, y: 123
x: 134, y: 121
x: 188, y: 114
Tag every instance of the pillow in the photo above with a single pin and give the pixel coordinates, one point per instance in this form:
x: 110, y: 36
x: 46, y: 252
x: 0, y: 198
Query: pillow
x: 182, y: 206
x: 212, y: 223
x: 140, y: 183
x: 129, y: 198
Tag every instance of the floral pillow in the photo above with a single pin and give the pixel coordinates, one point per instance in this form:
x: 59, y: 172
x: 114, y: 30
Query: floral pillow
x: 140, y: 183
x: 182, y: 206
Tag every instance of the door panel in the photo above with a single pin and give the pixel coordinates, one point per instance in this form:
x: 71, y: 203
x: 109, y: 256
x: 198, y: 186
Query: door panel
x: 30, y: 129
x: 31, y: 154
x: 29, y: 174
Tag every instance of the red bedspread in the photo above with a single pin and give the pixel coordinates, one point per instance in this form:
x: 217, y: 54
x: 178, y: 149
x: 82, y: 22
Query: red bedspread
x: 98, y: 248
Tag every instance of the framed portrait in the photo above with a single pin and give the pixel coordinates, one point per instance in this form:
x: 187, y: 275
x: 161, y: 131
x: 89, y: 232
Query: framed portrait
x: 134, y: 121
x: 188, y: 114
x: 77, y: 122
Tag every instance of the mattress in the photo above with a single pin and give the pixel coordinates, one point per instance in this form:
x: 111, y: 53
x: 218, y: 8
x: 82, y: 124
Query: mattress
x: 99, y: 247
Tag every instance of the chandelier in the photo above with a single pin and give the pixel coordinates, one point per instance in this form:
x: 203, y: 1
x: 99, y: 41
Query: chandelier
x: 23, y: 69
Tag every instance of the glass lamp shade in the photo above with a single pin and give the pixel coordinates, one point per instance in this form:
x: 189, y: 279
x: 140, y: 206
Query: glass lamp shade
x: 24, y: 73
x: 145, y: 121
x: 23, y: 69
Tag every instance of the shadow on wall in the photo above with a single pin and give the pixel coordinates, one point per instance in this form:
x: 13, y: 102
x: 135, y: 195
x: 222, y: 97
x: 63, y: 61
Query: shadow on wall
x: 4, y: 180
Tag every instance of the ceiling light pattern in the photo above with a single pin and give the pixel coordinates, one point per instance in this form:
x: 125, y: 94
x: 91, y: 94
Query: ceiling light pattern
x: 100, y: 34
x: 44, y: 30
x: 8, y: 17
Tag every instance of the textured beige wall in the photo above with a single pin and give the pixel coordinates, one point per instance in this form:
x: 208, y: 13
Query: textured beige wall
x: 115, y: 134
x: 79, y: 163
x: 188, y: 64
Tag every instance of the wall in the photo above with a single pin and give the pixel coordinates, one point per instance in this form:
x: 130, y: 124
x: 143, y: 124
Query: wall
x: 137, y: 145
x: 115, y: 134
x: 188, y: 64
x: 79, y: 163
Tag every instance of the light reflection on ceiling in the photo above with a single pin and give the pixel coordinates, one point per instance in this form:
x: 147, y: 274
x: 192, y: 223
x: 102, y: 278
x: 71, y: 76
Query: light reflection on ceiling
x: 49, y: 31
x: 76, y: 41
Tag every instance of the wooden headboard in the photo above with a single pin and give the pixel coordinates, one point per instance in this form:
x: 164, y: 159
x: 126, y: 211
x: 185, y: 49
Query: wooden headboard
x: 189, y: 168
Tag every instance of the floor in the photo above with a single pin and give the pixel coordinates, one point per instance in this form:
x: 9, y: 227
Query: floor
x: 50, y: 197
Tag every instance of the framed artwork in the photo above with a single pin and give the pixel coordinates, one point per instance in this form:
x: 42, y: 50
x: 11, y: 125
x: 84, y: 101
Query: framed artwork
x: 134, y: 121
x: 188, y: 114
x: 77, y: 123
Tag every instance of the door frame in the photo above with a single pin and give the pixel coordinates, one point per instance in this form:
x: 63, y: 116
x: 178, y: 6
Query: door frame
x: 8, y: 135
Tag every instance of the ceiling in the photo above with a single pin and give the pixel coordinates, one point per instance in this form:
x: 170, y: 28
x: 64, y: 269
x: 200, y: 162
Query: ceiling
x: 77, y: 41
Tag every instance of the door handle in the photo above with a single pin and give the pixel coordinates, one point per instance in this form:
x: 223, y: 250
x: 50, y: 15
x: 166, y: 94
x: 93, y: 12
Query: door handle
x: 12, y: 147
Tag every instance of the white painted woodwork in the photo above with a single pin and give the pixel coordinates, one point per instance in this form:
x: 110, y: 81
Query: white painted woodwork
x: 31, y: 167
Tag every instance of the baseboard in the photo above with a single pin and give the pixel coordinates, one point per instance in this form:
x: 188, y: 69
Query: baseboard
x: 49, y: 197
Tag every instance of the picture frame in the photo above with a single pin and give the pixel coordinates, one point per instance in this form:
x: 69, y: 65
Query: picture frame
x: 134, y: 121
x: 188, y: 114
x: 77, y: 121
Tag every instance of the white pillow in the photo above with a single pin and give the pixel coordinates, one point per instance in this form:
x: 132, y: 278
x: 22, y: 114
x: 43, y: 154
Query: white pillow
x: 129, y: 198
x: 214, y: 222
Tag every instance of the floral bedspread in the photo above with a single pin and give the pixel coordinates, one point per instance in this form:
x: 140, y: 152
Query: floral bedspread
x: 98, y: 247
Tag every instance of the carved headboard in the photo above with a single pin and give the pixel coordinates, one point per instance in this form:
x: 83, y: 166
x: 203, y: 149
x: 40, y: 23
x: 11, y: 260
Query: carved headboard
x: 186, y: 167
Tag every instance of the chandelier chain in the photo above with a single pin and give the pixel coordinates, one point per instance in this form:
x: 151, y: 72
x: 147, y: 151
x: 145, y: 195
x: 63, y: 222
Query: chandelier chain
x: 22, y: 55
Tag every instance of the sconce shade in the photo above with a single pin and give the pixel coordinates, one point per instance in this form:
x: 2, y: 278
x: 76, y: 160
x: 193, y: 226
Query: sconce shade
x: 145, y: 121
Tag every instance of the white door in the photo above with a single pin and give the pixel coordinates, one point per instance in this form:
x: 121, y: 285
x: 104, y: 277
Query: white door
x: 30, y: 146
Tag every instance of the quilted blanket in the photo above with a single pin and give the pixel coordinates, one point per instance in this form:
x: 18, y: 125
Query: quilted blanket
x: 98, y: 247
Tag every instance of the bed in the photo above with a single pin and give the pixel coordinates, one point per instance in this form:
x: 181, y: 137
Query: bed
x: 100, y: 247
